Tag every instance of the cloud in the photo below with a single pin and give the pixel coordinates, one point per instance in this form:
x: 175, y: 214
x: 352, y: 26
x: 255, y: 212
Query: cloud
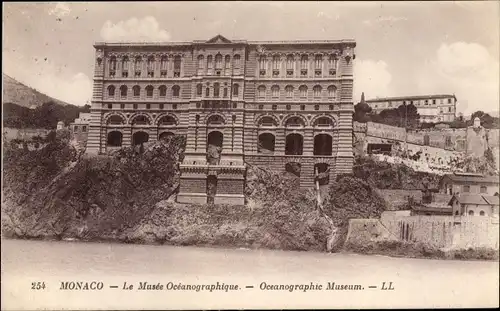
x: 60, y: 9
x: 466, y: 69
x: 133, y: 29
x: 371, y: 77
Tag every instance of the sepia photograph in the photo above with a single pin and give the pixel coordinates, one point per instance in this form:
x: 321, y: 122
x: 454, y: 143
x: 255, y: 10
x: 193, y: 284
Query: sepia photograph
x: 250, y: 155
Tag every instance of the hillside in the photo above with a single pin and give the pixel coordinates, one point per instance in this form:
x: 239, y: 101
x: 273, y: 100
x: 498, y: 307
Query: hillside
x: 17, y: 93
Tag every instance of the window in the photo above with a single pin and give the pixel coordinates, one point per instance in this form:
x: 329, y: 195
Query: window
x: 135, y: 106
x: 481, y: 213
x: 122, y: 106
x: 288, y: 107
x: 137, y: 91
x: 110, y: 106
x: 177, y: 66
x: 199, y: 89
x: 289, y: 65
x: 483, y: 189
x: 317, y: 91
x: 330, y: 107
x: 209, y: 62
x: 84, y: 129
x: 449, y: 109
x: 163, y: 66
x: 227, y: 61
x: 123, y: 91
x: 274, y: 107
x: 125, y: 63
x: 262, y: 65
x: 149, y: 91
x: 174, y: 106
x: 176, y: 91
x: 111, y: 91
x: 275, y: 90
x: 137, y: 66
x: 216, y: 89
x: 466, y: 188
x: 303, y: 91
x: 237, y: 60
x: 449, y: 100
x: 225, y: 92
x: 218, y: 61
x: 261, y: 107
x: 471, y: 213
x: 161, y: 106
x: 318, y: 59
x: 262, y: 91
x: 200, y: 61
x: 316, y: 107
x: 289, y: 91
x: 235, y: 105
x: 236, y: 89
x: 148, y: 106
x: 207, y: 91
x: 163, y: 90
x: 303, y: 62
x: 426, y: 102
x: 112, y: 66
x: 150, y: 65
x: 75, y: 128
x: 433, y: 101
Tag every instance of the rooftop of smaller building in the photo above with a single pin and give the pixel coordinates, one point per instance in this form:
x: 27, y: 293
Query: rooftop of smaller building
x: 472, y: 178
x: 415, y: 97
x: 475, y: 199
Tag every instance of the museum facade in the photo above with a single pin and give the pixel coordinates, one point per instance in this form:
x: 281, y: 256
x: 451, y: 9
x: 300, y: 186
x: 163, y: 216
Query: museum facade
x: 285, y: 105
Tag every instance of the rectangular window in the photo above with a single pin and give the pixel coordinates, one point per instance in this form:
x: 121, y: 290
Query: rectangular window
x: 466, y: 188
x: 122, y: 106
x: 84, y: 128
x: 483, y: 189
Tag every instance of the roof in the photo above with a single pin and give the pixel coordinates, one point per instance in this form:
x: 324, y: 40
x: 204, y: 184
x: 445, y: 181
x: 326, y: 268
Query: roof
x: 472, y: 178
x: 475, y: 199
x: 414, y: 97
x: 219, y: 39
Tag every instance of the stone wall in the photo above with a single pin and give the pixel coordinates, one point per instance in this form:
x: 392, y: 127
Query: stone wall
x: 15, y: 133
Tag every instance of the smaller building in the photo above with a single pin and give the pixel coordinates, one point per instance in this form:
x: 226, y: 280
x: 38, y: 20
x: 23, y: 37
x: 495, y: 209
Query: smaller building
x: 466, y: 183
x: 79, y: 127
x: 474, y: 205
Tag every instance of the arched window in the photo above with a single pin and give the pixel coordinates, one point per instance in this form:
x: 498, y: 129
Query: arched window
x: 215, y: 120
x: 209, y: 62
x: 266, y: 143
x: 267, y: 121
x: 123, y: 91
x: 303, y: 61
x: 177, y: 66
x: 322, y: 145
x: 137, y: 91
x: 323, y: 121
x: 125, y: 63
x: 294, y: 144
x: 167, y: 121
x: 471, y: 213
x: 276, y: 62
x: 200, y: 61
x: 176, y: 90
x: 163, y: 90
x: 199, y: 89
x: 115, y: 120
x: 236, y: 89
x: 262, y: 91
x: 111, y: 91
x: 140, y: 120
x: 237, y: 60
x: 317, y: 91
x: 149, y: 91
x: 294, y: 122
x: 289, y: 91
x: 275, y: 90
x: 332, y: 91
x: 218, y: 61
x: 216, y: 89
x: 481, y: 213
x: 318, y: 59
x: 227, y: 61
x: 303, y: 91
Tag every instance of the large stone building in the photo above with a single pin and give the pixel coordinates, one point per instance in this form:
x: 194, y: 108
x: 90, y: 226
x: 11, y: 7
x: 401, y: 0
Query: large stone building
x: 279, y: 104
x: 432, y: 108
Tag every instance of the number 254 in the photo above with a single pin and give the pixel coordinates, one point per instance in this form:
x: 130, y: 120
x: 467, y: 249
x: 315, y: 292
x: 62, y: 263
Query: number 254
x: 37, y: 285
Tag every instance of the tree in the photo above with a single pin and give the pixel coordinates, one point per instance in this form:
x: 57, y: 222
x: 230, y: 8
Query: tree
x: 487, y: 121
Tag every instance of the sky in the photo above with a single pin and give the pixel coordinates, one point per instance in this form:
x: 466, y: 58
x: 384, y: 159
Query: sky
x: 403, y: 48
